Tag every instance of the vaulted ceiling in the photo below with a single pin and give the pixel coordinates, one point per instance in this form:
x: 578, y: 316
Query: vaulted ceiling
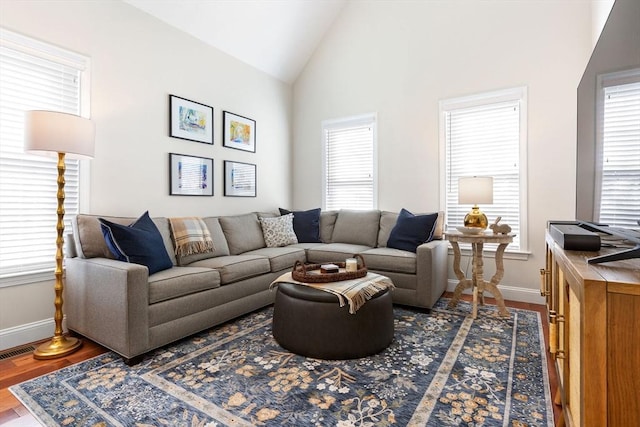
x: 275, y: 36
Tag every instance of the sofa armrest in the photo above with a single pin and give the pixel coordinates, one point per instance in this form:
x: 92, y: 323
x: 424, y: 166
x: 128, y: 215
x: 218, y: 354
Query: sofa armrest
x: 108, y: 301
x: 431, y: 271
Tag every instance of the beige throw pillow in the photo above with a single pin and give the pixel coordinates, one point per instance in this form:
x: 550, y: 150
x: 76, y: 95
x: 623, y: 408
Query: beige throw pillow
x: 278, y: 231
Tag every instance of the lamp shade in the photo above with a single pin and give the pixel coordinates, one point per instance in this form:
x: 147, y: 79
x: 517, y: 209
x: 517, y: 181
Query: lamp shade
x: 49, y: 133
x: 475, y: 190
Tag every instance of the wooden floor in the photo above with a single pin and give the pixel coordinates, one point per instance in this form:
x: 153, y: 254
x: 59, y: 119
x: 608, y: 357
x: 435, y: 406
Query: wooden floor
x: 24, y: 367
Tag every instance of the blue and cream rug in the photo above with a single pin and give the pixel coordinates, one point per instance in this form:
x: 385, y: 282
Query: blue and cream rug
x: 442, y: 369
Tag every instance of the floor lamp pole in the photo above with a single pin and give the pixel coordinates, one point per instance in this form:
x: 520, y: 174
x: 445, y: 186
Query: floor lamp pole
x: 60, y: 345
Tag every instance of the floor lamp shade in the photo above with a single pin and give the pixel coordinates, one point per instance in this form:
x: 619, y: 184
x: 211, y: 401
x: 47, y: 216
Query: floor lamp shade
x: 48, y: 132
x: 474, y: 190
x: 59, y: 134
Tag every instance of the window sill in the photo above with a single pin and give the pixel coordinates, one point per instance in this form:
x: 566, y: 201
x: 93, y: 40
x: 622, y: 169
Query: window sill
x: 26, y: 278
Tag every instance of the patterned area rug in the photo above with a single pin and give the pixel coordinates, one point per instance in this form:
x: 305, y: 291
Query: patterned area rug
x: 442, y: 369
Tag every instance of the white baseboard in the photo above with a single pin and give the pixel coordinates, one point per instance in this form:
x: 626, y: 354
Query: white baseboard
x: 27, y: 333
x: 512, y: 293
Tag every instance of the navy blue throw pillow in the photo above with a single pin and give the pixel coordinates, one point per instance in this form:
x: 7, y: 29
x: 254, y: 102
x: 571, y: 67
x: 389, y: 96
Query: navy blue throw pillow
x: 138, y: 243
x: 306, y: 225
x: 412, y: 230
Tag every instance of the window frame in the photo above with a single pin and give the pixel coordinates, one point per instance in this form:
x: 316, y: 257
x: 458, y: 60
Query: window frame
x: 605, y: 81
x: 518, y: 94
x: 82, y: 63
x: 368, y: 119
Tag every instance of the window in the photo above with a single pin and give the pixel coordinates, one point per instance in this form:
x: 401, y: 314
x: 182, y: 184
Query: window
x: 33, y: 76
x: 349, y: 167
x: 618, y: 148
x: 485, y: 135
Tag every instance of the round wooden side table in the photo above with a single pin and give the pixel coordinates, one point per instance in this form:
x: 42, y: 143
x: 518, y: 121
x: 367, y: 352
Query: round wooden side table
x: 477, y: 281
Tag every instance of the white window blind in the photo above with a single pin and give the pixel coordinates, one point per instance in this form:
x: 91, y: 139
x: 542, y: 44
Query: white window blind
x: 483, y: 136
x: 33, y: 76
x: 349, y: 163
x: 620, y: 151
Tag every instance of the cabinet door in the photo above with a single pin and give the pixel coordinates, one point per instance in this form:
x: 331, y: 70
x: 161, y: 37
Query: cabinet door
x: 573, y: 351
x: 623, y: 368
x: 561, y: 305
x: 549, y: 291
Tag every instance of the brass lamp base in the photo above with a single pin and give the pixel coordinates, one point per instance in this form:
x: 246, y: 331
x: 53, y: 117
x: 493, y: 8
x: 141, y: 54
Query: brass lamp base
x: 58, y: 346
x: 476, y: 219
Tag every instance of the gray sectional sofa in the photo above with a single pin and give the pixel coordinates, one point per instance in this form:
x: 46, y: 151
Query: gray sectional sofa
x: 119, y: 305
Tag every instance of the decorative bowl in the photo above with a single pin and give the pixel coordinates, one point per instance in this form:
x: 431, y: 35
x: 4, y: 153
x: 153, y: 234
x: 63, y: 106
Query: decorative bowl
x: 470, y: 230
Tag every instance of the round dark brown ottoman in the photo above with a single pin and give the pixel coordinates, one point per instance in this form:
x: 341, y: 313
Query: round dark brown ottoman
x: 311, y: 323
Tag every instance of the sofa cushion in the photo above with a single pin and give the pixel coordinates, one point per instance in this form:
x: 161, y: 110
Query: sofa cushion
x: 357, y: 227
x: 412, y: 230
x: 190, y: 236
x: 306, y: 224
x: 306, y: 246
x: 178, y: 281
x: 438, y: 230
x: 327, y: 222
x: 139, y: 243
x: 88, y: 238
x: 390, y: 259
x: 219, y: 240
x: 387, y: 222
x: 278, y: 231
x: 233, y: 268
x: 220, y: 247
x: 334, y: 252
x: 281, y: 258
x: 268, y: 214
x: 243, y: 233
x: 163, y: 227
x: 89, y: 241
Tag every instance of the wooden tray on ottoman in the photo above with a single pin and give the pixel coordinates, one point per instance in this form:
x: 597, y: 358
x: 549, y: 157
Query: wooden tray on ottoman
x: 310, y: 273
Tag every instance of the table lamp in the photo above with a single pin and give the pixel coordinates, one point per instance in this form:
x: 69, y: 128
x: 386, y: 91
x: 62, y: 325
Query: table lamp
x: 474, y: 190
x: 51, y: 133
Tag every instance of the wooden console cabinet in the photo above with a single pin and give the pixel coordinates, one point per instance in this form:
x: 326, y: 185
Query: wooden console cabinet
x: 594, y: 336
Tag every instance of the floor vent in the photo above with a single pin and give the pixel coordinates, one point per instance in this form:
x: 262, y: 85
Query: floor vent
x: 17, y: 351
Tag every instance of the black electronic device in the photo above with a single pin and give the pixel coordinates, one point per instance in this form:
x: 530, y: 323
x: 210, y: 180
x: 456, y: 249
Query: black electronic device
x: 570, y: 236
x: 590, y: 236
x: 630, y: 235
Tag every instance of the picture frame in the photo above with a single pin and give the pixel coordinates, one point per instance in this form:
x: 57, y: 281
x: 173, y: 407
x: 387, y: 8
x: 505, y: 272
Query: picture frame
x: 238, y: 132
x: 190, y: 120
x: 190, y: 175
x: 239, y: 179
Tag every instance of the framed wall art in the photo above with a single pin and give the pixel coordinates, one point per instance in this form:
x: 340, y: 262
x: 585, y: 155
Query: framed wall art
x: 190, y: 120
x: 238, y: 132
x: 190, y: 175
x: 239, y: 179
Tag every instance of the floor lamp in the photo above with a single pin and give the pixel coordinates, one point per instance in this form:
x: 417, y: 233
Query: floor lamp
x: 51, y: 133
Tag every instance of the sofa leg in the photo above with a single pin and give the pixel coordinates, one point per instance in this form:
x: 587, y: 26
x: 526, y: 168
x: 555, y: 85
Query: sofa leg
x: 134, y: 360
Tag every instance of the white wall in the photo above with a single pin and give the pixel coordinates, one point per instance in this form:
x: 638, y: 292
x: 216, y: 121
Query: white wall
x: 599, y: 14
x: 400, y: 58
x: 137, y: 61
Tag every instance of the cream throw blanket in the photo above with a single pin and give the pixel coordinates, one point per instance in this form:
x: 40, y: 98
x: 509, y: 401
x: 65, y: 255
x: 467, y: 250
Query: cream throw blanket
x: 356, y: 292
x: 190, y: 236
